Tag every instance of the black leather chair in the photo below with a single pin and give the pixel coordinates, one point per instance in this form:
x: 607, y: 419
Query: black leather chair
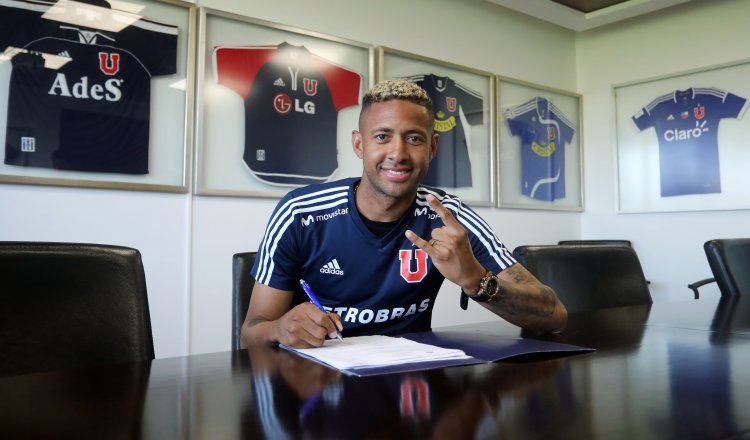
x: 729, y: 259
x: 242, y: 288
x: 69, y: 305
x: 599, y: 242
x: 588, y: 277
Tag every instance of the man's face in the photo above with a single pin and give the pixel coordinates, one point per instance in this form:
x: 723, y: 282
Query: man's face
x: 395, y: 143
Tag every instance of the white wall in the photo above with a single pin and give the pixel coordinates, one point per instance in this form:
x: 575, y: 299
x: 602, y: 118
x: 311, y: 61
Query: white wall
x: 187, y: 241
x: 686, y: 37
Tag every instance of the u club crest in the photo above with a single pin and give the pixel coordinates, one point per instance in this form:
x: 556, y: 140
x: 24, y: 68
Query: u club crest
x: 109, y: 63
x: 450, y: 103
x: 416, y: 274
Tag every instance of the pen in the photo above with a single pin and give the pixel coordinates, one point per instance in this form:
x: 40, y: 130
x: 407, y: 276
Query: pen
x: 314, y: 300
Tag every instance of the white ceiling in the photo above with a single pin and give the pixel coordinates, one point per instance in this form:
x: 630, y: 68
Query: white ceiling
x: 556, y: 13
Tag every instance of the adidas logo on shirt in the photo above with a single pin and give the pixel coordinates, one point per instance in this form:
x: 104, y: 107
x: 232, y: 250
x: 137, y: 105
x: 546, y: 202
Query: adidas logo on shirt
x: 332, y: 267
x: 279, y: 82
x: 64, y: 54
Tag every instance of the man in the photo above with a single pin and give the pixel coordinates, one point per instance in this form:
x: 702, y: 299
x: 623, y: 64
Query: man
x: 375, y: 250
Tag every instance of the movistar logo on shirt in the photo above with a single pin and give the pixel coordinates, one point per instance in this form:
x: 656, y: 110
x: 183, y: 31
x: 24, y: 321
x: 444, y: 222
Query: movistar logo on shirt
x: 424, y: 211
x: 309, y: 219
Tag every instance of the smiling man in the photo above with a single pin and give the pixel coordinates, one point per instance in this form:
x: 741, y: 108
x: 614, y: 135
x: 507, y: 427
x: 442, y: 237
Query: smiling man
x: 376, y: 249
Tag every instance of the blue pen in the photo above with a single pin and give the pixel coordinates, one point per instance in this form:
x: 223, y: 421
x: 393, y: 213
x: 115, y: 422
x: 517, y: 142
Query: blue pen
x: 314, y: 300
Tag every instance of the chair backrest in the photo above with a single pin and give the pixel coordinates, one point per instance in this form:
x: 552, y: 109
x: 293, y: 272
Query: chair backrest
x: 242, y: 288
x: 588, y: 277
x: 599, y: 242
x: 729, y: 260
x: 68, y: 305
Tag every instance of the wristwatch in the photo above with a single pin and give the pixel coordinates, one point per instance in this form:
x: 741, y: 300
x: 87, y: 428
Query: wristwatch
x: 488, y: 288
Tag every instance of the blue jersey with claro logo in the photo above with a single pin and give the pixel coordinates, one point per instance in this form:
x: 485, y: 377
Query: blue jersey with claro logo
x: 687, y: 123
x: 378, y: 285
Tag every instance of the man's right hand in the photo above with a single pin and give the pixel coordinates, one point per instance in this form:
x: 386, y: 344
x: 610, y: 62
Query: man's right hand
x: 271, y: 320
x: 306, y: 326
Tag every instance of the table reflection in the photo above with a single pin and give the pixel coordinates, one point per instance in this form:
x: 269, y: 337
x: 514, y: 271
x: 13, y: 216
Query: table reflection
x: 676, y: 370
x: 295, y: 397
x: 75, y: 404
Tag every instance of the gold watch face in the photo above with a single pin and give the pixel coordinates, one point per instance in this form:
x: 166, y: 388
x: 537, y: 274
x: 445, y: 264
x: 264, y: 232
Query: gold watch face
x: 490, y: 287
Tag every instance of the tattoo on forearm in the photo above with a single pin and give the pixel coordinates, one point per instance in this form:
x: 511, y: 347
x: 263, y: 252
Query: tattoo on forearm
x: 518, y: 275
x: 515, y: 303
x: 550, y: 302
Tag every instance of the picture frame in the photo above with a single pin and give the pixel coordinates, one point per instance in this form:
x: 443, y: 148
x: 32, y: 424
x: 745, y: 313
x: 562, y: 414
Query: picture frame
x: 534, y: 172
x: 464, y: 104
x: 127, y: 124
x: 681, y: 141
x: 258, y: 135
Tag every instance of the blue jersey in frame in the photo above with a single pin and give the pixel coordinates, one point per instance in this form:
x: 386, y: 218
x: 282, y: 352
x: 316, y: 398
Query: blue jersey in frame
x: 544, y: 130
x: 687, y: 123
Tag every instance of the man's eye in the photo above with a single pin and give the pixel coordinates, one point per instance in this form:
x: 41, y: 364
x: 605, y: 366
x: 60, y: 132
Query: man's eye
x: 415, y: 140
x: 381, y: 137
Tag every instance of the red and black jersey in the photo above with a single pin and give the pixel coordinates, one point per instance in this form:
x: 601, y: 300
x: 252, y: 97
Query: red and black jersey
x: 292, y: 99
x: 92, y: 113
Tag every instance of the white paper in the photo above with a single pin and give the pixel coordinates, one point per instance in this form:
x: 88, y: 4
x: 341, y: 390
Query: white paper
x: 374, y: 351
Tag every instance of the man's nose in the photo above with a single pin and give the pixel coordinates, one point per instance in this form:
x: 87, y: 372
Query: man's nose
x: 398, y: 150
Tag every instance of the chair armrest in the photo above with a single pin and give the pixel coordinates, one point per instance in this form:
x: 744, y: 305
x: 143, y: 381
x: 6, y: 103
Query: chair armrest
x: 694, y: 286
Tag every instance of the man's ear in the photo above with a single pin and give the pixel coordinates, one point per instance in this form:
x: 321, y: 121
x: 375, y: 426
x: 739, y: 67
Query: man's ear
x: 357, y: 143
x: 434, y: 145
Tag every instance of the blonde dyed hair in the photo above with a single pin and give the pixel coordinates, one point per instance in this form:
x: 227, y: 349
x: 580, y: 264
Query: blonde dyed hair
x: 397, y: 89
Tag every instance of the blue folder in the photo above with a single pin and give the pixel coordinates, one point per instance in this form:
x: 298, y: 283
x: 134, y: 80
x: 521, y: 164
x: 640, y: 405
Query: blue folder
x: 481, y: 347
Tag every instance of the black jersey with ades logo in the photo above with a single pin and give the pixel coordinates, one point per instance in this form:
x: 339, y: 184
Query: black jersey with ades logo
x: 292, y: 99
x: 92, y: 113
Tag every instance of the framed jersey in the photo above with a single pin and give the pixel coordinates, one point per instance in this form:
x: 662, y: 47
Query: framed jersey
x: 96, y: 93
x: 541, y: 155
x: 276, y: 106
x: 463, y: 103
x: 681, y: 141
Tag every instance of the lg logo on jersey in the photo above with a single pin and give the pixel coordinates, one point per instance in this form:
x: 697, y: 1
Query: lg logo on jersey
x: 282, y: 103
x: 682, y: 135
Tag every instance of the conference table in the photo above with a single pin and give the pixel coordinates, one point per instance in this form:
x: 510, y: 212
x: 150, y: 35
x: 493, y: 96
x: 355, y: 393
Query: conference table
x: 677, y: 370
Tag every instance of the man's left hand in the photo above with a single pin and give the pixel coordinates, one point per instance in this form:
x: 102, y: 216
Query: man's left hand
x: 450, y: 250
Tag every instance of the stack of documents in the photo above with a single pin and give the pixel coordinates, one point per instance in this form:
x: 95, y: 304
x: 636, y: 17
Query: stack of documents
x: 366, y: 352
x: 369, y: 355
